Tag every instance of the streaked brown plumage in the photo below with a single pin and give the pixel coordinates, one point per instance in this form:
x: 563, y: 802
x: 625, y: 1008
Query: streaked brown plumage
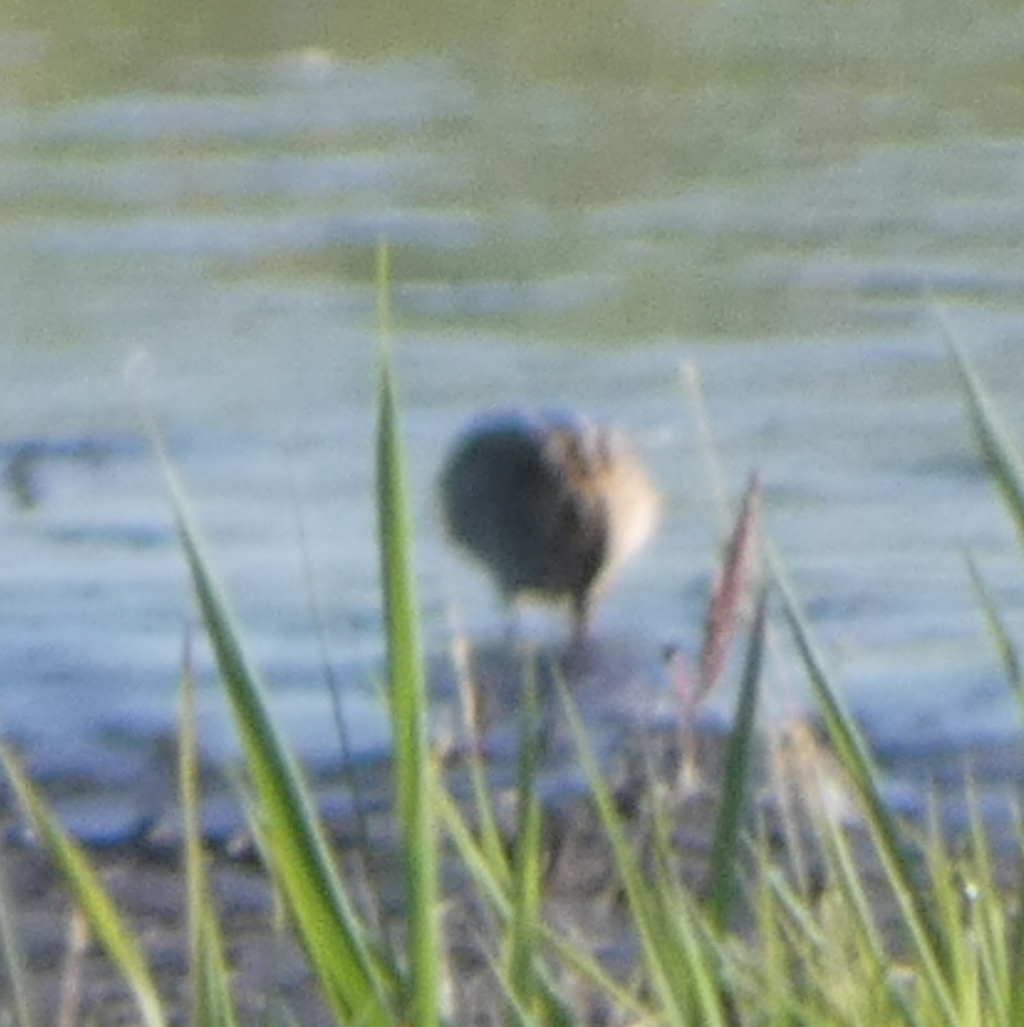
x: 550, y: 502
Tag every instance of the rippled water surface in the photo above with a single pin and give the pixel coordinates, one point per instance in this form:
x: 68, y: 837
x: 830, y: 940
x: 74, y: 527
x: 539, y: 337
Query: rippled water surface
x: 769, y: 196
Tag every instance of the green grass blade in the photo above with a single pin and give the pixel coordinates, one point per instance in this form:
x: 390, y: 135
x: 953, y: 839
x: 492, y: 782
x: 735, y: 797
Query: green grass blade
x: 353, y: 975
x: 211, y: 993
x: 413, y: 769
x: 485, y: 823
x: 494, y: 883
x: 547, y: 1009
x: 1007, y: 651
x: 1006, y: 469
x: 521, y: 973
x: 89, y: 894
x: 735, y: 784
x: 860, y: 928
x: 13, y: 959
x: 1015, y: 946
x: 986, y: 916
x: 682, y: 960
x: 893, y: 848
x: 1002, y: 460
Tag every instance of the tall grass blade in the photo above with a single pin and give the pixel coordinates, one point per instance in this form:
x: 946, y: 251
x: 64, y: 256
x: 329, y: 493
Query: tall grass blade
x: 351, y: 778
x: 1007, y: 472
x: 683, y: 963
x: 1015, y: 947
x: 988, y: 927
x: 211, y: 993
x: 736, y: 781
x: 893, y: 848
x: 406, y: 688
x: 859, y: 916
x: 353, y: 974
x: 497, y: 888
x: 522, y: 977
x: 485, y: 823
x: 1009, y: 657
x: 413, y: 768
x: 13, y: 954
x: 89, y: 895
x: 1002, y: 460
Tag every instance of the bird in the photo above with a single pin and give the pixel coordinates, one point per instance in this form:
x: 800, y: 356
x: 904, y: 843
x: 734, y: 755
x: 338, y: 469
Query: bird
x: 550, y: 502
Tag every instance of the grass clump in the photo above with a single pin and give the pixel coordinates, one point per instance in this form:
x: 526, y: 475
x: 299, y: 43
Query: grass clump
x: 808, y: 920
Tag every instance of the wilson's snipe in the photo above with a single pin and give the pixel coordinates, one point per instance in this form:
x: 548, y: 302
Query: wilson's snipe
x: 550, y: 502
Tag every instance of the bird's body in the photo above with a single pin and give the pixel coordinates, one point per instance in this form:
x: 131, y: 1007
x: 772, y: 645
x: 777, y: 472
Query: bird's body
x: 550, y: 502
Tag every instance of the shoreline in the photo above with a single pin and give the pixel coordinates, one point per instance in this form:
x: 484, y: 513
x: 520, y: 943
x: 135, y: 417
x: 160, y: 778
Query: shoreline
x: 582, y: 896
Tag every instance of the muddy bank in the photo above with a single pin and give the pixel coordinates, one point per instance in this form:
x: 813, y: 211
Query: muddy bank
x: 69, y: 975
x: 583, y: 897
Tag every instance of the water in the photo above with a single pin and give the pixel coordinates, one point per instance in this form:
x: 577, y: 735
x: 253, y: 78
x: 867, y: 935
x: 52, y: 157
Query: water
x: 770, y: 199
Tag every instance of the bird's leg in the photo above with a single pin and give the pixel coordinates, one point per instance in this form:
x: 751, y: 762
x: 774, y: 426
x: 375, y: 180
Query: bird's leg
x: 580, y: 627
x: 579, y: 634
x: 513, y: 622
